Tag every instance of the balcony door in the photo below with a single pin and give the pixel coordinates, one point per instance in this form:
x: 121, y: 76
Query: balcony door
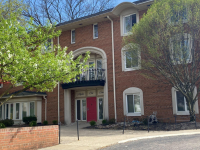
x: 91, y: 70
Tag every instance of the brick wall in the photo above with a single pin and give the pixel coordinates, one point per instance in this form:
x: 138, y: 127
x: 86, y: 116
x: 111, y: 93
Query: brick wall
x: 28, y: 137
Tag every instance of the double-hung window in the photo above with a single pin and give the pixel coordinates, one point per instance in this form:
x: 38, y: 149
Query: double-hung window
x: 179, y: 15
x: 128, y: 23
x: 95, y: 31
x: 181, y: 48
x: 181, y: 102
x: 133, y: 103
x: 73, y: 36
x: 131, y: 60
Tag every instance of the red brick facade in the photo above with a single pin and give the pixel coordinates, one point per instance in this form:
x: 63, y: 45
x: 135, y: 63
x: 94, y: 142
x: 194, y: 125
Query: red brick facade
x: 28, y: 137
x: 155, y: 97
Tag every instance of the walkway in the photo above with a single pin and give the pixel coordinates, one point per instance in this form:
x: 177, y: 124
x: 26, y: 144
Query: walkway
x: 91, y: 139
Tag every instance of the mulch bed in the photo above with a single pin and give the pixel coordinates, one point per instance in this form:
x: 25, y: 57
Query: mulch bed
x: 154, y: 127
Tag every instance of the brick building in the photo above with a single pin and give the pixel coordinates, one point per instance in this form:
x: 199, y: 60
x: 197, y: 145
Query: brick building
x: 112, y: 88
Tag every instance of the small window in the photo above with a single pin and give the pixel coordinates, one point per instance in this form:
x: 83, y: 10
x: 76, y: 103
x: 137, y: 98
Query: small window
x: 181, y: 48
x: 1, y: 112
x: 17, y: 110
x: 1, y: 85
x: 128, y: 22
x: 100, y: 108
x: 131, y: 61
x: 32, y: 108
x: 47, y: 46
x: 95, y: 31
x: 133, y: 102
x: 179, y: 15
x: 73, y: 36
x: 179, y: 103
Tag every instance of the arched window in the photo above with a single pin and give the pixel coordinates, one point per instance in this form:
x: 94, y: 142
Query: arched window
x: 133, y: 102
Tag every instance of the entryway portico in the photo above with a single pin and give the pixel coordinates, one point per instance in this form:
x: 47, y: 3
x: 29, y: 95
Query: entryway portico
x: 87, y: 98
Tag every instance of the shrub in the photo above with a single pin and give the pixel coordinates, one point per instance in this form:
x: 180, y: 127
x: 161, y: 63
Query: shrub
x: 104, y: 122
x: 27, y: 120
x: 145, y: 121
x: 2, y: 125
x: 7, y: 122
x: 33, y: 123
x: 45, y: 122
x: 55, y: 122
x: 92, y: 123
x: 112, y: 121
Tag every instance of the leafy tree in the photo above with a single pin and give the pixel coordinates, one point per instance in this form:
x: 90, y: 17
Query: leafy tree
x: 168, y: 38
x: 25, y: 59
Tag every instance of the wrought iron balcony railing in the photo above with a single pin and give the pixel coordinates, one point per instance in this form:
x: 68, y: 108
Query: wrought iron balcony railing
x: 91, y: 74
x: 91, y: 77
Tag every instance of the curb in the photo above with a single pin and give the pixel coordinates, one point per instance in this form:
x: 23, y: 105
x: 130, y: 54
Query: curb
x: 156, y: 136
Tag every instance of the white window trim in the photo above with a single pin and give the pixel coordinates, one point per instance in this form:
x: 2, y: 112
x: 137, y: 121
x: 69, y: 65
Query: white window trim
x: 174, y: 104
x: 71, y: 37
x: 186, y: 35
x: 98, y: 108
x: 133, y: 90
x: 1, y: 85
x: 123, y: 56
x: 94, y: 31
x: 122, y: 22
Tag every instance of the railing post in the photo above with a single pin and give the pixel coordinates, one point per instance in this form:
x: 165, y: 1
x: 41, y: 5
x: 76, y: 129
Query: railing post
x: 195, y: 122
x: 59, y: 131
x: 124, y: 124
x: 77, y: 130
x: 175, y: 121
x: 148, y: 122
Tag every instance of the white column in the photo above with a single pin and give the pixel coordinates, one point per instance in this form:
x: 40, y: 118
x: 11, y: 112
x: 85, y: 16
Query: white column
x: 67, y: 106
x: 39, y: 111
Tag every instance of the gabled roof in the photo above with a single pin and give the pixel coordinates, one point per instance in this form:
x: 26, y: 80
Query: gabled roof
x: 101, y: 13
x: 26, y: 94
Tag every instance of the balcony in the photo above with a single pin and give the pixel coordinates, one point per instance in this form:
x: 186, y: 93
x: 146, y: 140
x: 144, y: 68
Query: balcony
x: 91, y: 77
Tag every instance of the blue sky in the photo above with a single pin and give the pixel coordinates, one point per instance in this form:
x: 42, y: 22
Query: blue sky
x: 120, y: 1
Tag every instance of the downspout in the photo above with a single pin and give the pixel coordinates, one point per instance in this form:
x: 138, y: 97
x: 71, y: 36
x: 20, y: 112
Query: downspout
x: 113, y: 58
x: 45, y: 107
x: 58, y: 95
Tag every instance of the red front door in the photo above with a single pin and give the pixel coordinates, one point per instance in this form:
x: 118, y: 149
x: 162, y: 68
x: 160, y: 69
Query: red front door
x: 91, y: 109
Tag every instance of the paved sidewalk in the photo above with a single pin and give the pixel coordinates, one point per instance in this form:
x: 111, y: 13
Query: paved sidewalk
x: 91, y: 139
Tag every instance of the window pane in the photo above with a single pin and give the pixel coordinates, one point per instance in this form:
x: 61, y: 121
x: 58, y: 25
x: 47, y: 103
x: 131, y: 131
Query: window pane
x: 11, y: 111
x: 7, y: 110
x: 180, y: 101
x: 84, y: 109
x: 131, y: 59
x: 24, y: 110
x: 1, y: 113
x: 130, y: 103
x: 91, y: 71
x: 100, y: 108
x: 133, y: 19
x: 32, y: 108
x: 96, y: 30
x: 137, y: 103
x: 99, y: 69
x: 73, y: 36
x: 17, y: 110
x: 127, y: 24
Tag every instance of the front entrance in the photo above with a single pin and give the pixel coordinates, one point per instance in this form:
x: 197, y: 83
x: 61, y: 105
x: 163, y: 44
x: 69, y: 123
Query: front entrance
x: 91, y: 109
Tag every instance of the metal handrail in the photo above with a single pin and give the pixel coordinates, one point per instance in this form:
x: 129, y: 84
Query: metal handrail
x: 91, y: 74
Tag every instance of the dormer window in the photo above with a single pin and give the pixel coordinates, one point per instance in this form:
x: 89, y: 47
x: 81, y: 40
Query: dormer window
x: 95, y: 31
x: 128, y: 22
x: 73, y: 36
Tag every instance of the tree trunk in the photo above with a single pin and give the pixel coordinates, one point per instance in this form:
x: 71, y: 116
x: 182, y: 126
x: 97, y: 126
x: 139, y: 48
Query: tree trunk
x: 192, y: 112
